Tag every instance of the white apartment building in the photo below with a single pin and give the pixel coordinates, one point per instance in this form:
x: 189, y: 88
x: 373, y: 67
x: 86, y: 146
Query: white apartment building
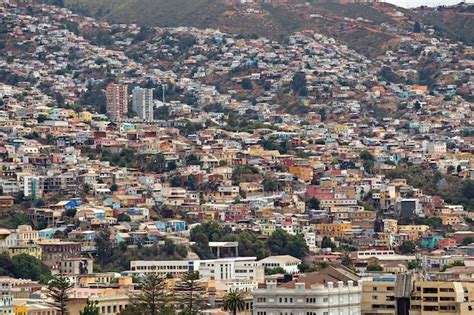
x: 308, y: 298
x: 237, y: 268
x: 287, y: 262
x: 6, y: 299
x: 142, y: 102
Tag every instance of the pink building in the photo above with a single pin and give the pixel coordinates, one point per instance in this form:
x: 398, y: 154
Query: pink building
x: 117, y: 100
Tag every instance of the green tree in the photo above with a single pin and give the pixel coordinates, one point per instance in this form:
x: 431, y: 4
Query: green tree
x: 270, y: 184
x: 246, y: 84
x: 190, y: 290
x: 366, y: 156
x: 251, y: 246
x: 24, y: 266
x: 113, y: 187
x: 29, y: 267
x: 123, y: 217
x: 212, y: 229
x: 104, y: 247
x: 298, y: 83
x: 234, y: 301
x: 192, y: 159
x: 59, y: 288
x: 468, y: 189
x: 327, y: 243
x: 14, y: 219
x: 274, y: 271
x: 413, y: 264
x: 346, y: 260
x: 407, y: 247
x: 281, y: 243
x: 417, y: 27
x: 313, y: 204
x: 154, y: 297
x: 374, y: 267
x: 91, y: 308
x: 468, y: 240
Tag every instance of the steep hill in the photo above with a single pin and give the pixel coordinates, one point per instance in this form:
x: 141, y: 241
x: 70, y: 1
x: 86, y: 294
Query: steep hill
x: 369, y: 29
x: 455, y: 22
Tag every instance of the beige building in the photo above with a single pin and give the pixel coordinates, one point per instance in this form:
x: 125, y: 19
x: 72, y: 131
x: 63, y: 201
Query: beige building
x: 32, y: 250
x: 440, y: 297
x: 378, y: 297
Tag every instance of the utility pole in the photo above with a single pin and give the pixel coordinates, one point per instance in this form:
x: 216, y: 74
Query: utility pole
x: 163, y: 88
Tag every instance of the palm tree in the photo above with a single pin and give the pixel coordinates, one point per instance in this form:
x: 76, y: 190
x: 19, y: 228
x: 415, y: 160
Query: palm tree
x: 234, y: 301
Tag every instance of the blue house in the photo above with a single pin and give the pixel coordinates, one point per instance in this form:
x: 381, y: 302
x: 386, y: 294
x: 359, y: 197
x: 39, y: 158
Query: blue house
x: 431, y: 242
x: 73, y: 203
x: 171, y: 226
x: 112, y: 202
x: 48, y: 233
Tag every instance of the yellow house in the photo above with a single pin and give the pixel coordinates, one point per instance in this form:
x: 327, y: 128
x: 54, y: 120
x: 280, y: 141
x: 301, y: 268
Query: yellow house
x: 333, y: 229
x: 303, y: 172
x: 34, y: 309
x: 32, y: 250
x: 414, y: 231
x: 85, y: 116
x: 20, y: 310
x: 341, y: 128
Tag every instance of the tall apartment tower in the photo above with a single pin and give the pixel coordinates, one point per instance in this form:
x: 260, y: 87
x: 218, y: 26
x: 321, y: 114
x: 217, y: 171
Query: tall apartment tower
x: 117, y: 100
x: 143, y: 102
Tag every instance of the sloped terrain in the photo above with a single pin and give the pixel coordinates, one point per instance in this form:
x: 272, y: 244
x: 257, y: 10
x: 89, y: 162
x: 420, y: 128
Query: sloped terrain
x: 368, y: 29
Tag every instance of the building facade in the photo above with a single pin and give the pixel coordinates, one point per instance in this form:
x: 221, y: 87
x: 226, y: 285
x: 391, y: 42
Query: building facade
x: 143, y: 103
x: 117, y: 101
x: 308, y: 299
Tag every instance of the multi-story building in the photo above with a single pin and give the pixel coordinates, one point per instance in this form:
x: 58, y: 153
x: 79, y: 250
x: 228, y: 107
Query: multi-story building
x: 6, y: 299
x: 28, y: 249
x: 75, y: 266
x: 378, y: 296
x: 319, y: 293
x: 287, y: 262
x: 55, y: 251
x: 336, y: 229
x: 143, y: 103
x: 440, y: 297
x: 117, y: 100
x: 244, y: 268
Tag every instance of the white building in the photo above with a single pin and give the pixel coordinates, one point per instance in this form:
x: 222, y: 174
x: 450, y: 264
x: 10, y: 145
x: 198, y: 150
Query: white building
x: 312, y: 295
x: 143, y: 103
x: 435, y: 148
x: 287, y: 262
x: 237, y: 268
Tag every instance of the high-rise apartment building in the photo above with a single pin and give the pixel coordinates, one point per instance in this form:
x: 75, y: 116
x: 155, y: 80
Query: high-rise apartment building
x: 143, y: 103
x: 117, y: 100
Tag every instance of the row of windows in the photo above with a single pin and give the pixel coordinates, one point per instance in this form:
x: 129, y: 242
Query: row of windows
x: 285, y: 300
x: 111, y: 309
x: 160, y: 267
x: 313, y: 300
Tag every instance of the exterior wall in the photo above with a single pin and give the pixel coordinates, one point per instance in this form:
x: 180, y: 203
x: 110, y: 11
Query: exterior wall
x: 378, y: 297
x: 117, y: 100
x: 317, y: 300
x: 212, y: 269
x: 143, y: 103
x: 438, y: 297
